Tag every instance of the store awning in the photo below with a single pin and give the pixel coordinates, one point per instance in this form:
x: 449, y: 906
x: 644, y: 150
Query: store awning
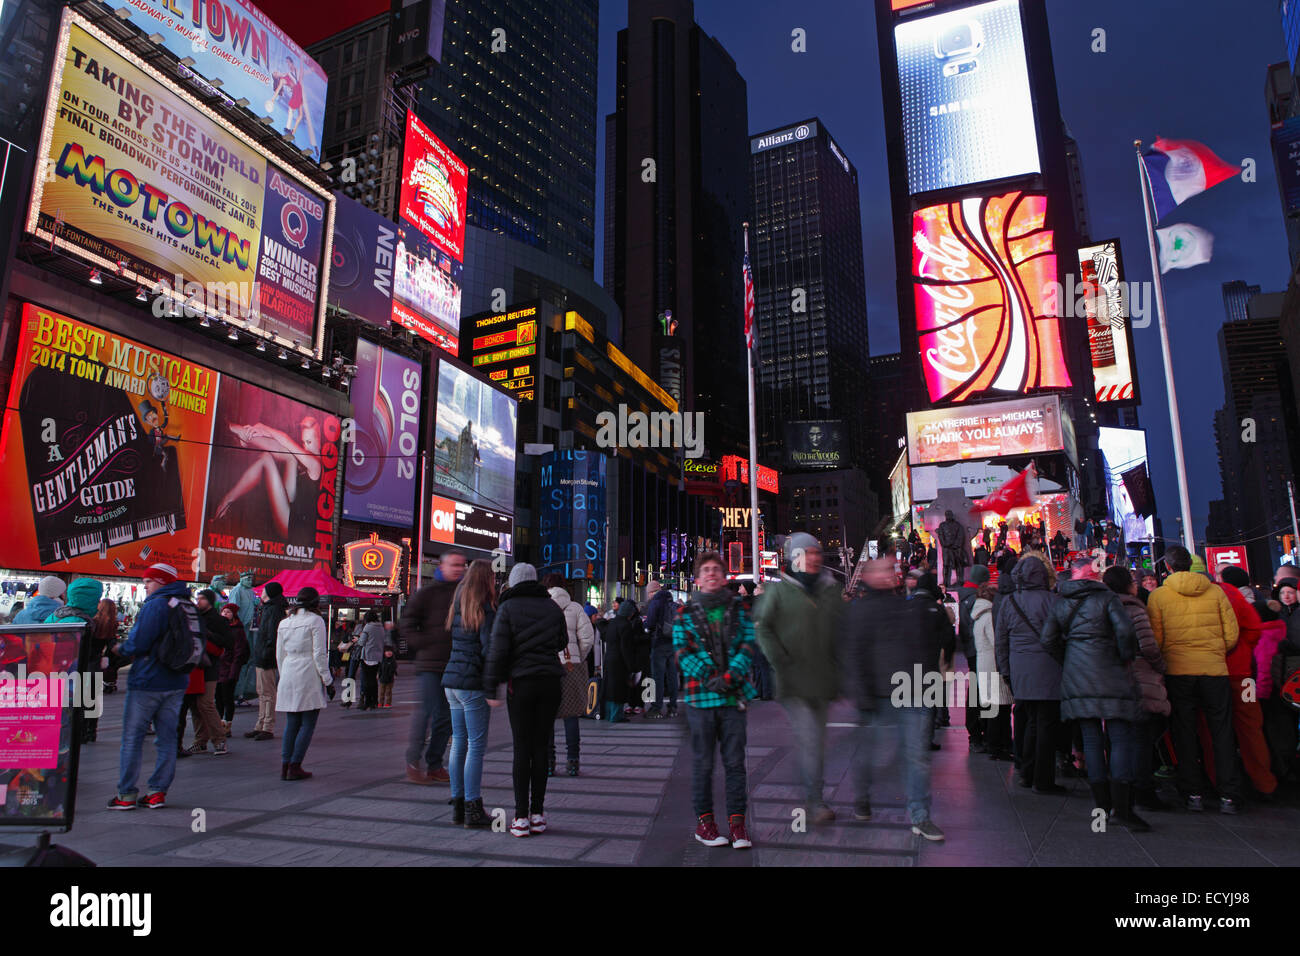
x: 331, y: 590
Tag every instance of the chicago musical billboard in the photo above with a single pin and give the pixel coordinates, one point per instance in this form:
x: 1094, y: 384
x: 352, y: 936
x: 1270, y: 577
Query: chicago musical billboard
x: 982, y: 272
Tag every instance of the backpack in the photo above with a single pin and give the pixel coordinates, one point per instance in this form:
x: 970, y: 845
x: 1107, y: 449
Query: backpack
x: 181, y: 646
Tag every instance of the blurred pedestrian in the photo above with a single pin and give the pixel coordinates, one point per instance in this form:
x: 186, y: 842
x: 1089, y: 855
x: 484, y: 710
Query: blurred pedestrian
x: 424, y: 627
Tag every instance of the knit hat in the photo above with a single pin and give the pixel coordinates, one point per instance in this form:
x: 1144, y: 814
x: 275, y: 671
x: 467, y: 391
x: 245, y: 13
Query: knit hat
x: 929, y: 582
x: 1198, y: 564
x: 978, y: 575
x: 652, y: 588
x: 588, y: 610
x: 800, y: 541
x: 52, y: 587
x: 522, y: 572
x: 84, y: 594
x: 274, y: 589
x: 208, y: 595
x: 1291, y: 583
x: 308, y: 598
x: 1231, y: 574
x: 162, y: 573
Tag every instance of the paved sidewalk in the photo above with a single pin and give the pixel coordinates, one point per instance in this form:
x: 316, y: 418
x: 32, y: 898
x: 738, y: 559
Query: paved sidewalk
x: 631, y: 806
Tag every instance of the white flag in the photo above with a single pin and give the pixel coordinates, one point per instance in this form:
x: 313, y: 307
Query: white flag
x: 1183, y: 245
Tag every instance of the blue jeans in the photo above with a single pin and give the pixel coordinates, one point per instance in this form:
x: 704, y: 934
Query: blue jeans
x: 1123, y: 750
x: 883, y: 731
x: 711, y: 726
x: 572, y: 739
x: 299, y: 726
x: 432, y: 712
x: 469, y: 729
x: 163, y: 707
x: 663, y: 670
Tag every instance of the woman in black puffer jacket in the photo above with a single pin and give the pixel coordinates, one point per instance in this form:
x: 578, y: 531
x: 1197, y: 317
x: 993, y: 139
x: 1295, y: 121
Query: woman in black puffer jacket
x: 527, y: 637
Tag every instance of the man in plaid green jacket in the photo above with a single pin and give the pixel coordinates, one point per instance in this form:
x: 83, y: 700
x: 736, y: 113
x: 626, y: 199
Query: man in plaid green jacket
x: 714, y: 639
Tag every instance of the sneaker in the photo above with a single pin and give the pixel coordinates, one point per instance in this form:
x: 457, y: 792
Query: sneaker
x: 440, y: 775
x: 519, y: 827
x: 263, y: 735
x: 707, y: 832
x: 1195, y: 803
x: 537, y: 823
x: 117, y: 803
x: 739, y: 838
x: 653, y: 712
x: 928, y: 830
x: 198, y: 749
x: 862, y: 811
x: 1229, y: 806
x: 672, y: 710
x: 1165, y: 772
x: 416, y: 775
x: 823, y: 815
x: 154, y: 801
x: 251, y: 734
x: 219, y: 750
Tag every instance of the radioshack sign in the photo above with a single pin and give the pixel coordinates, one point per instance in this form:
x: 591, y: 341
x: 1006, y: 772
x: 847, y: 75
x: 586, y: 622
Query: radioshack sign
x: 1216, y: 558
x: 372, y: 565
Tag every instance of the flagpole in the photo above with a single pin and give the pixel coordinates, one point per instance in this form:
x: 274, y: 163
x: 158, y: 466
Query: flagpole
x: 1180, y: 465
x: 753, y: 448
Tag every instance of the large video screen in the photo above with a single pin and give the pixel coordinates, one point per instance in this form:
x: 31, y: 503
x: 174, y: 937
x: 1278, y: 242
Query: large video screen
x: 474, y: 440
x: 115, y: 455
x: 434, y: 186
x: 382, y: 462
x: 983, y: 273
x: 818, y: 444
x: 361, y: 264
x: 426, y: 289
x: 1024, y: 426
x: 171, y: 191
x: 967, y: 110
x: 1128, y: 481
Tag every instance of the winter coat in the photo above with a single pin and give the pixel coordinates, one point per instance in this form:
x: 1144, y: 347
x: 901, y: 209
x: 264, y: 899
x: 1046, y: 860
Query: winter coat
x: 887, y: 634
x: 1271, y: 636
x: 1148, y: 667
x: 798, y: 632
x: 993, y: 689
x: 1092, y: 635
x: 38, y: 609
x: 233, y: 661
x: 620, y: 640
x: 1022, y: 659
x: 374, y: 638
x: 527, y: 636
x: 216, y: 631
x: 577, y: 625
x: 469, y: 650
x: 715, y: 655
x: 274, y: 611
x: 1241, y: 661
x: 424, y: 625
x: 965, y: 626
x: 303, y: 662
x: 151, y: 623
x: 1194, y: 625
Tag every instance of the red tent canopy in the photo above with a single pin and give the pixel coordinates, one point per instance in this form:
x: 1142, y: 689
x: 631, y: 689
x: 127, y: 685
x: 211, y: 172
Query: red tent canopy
x: 331, y: 590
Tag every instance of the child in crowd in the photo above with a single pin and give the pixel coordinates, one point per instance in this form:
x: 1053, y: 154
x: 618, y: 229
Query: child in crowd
x: 387, y: 674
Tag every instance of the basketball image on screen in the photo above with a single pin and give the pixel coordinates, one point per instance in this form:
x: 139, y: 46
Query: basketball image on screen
x: 474, y: 440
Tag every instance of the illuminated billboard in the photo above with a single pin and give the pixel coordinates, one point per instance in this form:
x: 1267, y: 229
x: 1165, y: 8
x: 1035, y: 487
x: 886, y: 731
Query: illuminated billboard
x: 967, y: 109
x: 383, y: 457
x: 474, y: 440
x: 900, y: 489
x: 1023, y: 426
x: 983, y: 271
x: 236, y: 45
x: 1128, y: 483
x: 735, y: 468
x: 503, y: 346
x: 361, y: 263
x: 814, y: 444
x: 571, y: 524
x: 457, y: 523
x: 426, y: 289
x: 1110, y: 334
x: 174, y: 200
x: 434, y: 186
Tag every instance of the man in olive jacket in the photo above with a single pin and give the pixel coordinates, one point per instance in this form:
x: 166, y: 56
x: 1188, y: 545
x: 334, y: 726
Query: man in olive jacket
x: 796, y: 621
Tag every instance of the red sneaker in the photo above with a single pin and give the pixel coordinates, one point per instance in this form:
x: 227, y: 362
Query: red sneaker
x: 440, y: 775
x: 707, y: 832
x: 154, y: 801
x: 117, y: 803
x: 739, y: 838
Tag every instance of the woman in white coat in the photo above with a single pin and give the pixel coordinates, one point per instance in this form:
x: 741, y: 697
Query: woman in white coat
x: 303, y: 662
x: 993, y: 690
x: 573, y: 686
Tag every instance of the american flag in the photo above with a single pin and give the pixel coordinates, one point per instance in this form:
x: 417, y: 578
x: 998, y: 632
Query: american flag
x: 749, y: 302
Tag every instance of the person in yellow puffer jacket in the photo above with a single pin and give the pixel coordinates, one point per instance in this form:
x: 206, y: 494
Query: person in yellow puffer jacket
x: 1196, y: 628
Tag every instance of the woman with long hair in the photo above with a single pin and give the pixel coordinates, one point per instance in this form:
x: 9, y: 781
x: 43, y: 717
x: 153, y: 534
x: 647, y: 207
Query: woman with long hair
x: 103, y: 634
x: 277, y: 469
x: 303, y: 663
x: 469, y: 621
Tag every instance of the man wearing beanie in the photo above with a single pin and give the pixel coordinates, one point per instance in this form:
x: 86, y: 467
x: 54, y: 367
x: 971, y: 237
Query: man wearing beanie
x: 49, y: 598
x: 153, y: 691
x: 797, y: 623
x: 1196, y: 629
x: 424, y: 626
x: 979, y: 574
x: 274, y: 609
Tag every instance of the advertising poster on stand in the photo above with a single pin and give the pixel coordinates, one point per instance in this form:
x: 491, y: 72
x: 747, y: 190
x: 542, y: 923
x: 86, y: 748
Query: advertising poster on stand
x: 104, y: 452
x: 270, y: 484
x: 474, y: 440
x: 434, y: 188
x: 380, y: 477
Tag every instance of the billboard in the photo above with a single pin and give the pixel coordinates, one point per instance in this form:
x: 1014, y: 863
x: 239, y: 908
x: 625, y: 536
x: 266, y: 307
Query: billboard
x: 814, y: 444
x: 1023, y: 426
x: 426, y: 289
x: 900, y: 489
x: 1128, y: 484
x: 236, y: 45
x: 434, y: 186
x: 115, y: 455
x: 474, y: 440
x: 735, y: 468
x: 144, y: 181
x: 503, y: 346
x: 415, y: 36
x: 1216, y: 558
x: 463, y: 525
x: 1286, y: 157
x: 361, y: 262
x: 983, y: 271
x: 572, y: 520
x: 372, y: 565
x: 382, y: 459
x: 967, y: 109
x: 1110, y: 334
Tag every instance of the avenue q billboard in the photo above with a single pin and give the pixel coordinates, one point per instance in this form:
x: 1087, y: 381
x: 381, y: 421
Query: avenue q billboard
x: 1024, y: 426
x: 142, y: 181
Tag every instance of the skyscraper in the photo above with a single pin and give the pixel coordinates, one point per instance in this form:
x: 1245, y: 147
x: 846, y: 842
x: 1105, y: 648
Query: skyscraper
x: 677, y: 163
x: 1236, y: 295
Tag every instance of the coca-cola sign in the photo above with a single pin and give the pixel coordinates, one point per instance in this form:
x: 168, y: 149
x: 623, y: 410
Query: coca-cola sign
x: 982, y: 269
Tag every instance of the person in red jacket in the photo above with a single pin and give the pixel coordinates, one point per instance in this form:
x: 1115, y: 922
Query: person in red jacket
x: 1247, y: 715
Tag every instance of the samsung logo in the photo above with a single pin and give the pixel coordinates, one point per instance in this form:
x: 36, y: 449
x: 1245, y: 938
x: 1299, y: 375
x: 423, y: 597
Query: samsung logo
x: 959, y: 106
